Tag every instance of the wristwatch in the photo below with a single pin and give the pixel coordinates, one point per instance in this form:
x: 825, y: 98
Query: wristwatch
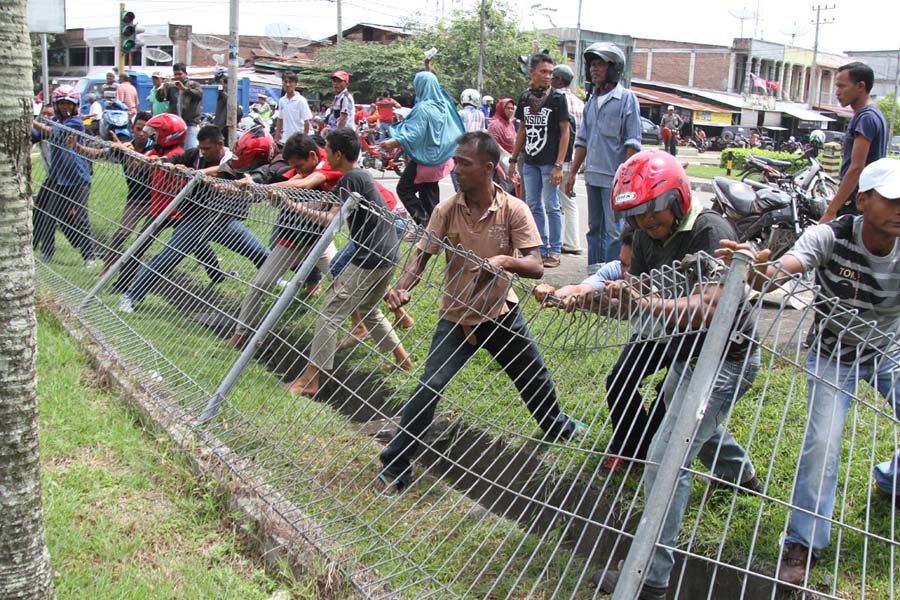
x: 557, y: 165
x: 513, y: 160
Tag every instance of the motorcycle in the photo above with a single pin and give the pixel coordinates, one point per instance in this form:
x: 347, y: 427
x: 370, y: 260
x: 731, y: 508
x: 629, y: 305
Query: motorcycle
x: 115, y: 121
x: 812, y: 180
x: 701, y: 144
x: 767, y: 217
x: 373, y: 156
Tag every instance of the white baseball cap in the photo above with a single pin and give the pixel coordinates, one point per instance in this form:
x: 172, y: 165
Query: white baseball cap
x: 883, y: 176
x: 158, y: 75
x: 670, y: 107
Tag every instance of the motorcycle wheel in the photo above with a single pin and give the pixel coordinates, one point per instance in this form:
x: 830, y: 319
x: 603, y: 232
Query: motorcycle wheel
x: 823, y: 189
x: 778, y: 241
x: 400, y: 165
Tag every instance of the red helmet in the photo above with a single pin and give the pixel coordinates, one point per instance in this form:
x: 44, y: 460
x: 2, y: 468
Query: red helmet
x: 66, y: 92
x: 166, y: 130
x: 650, y: 181
x: 253, y: 148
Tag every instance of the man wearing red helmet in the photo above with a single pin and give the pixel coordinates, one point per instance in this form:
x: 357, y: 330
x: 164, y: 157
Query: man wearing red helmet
x: 342, y: 107
x: 63, y: 198
x: 205, y: 217
x: 651, y: 190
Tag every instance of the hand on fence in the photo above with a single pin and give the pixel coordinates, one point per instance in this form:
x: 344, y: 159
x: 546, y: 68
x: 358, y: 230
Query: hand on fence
x: 396, y: 298
x: 730, y: 247
x: 490, y: 268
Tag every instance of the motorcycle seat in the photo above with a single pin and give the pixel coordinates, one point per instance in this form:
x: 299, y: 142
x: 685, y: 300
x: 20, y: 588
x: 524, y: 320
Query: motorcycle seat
x: 772, y: 162
x: 768, y: 199
x: 740, y: 197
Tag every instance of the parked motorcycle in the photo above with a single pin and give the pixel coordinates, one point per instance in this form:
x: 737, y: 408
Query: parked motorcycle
x: 767, y: 217
x: 812, y: 180
x: 699, y: 143
x: 115, y: 120
x: 373, y: 156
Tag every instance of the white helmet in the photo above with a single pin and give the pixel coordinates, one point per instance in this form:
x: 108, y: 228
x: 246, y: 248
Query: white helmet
x: 817, y: 137
x: 487, y: 100
x: 670, y: 107
x: 470, y: 96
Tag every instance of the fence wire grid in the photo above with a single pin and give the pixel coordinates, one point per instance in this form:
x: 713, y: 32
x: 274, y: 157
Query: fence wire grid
x: 214, y: 294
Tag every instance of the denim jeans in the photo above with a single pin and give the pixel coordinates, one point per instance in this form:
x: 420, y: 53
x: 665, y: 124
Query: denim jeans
x: 732, y: 462
x: 603, y: 228
x: 193, y: 231
x: 509, y: 341
x: 190, y: 137
x: 66, y: 207
x: 832, y: 386
x: 542, y: 198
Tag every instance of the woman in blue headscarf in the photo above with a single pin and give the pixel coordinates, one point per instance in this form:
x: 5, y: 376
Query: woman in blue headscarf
x: 428, y: 135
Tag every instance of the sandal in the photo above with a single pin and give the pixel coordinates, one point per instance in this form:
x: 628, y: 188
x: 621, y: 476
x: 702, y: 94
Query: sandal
x: 387, y: 487
x: 551, y: 261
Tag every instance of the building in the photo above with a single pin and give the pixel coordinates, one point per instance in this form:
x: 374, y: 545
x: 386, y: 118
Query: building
x: 885, y: 64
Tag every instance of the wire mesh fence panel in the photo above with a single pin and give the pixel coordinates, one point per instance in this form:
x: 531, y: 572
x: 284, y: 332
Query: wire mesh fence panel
x: 442, y: 429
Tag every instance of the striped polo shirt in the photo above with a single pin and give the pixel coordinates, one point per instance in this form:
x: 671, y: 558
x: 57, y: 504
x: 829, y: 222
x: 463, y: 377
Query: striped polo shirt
x: 861, y: 281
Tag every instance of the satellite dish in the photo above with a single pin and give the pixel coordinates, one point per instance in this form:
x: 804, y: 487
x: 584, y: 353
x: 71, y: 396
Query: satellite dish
x: 286, y: 34
x: 796, y: 30
x: 273, y: 48
x: 209, y: 42
x: 219, y: 59
x: 157, y: 55
x: 743, y: 14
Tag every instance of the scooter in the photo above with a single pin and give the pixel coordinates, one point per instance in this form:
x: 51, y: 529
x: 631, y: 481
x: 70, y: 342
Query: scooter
x: 374, y: 157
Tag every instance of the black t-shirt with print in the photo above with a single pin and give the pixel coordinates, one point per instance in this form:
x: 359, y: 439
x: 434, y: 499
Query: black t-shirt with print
x: 542, y: 128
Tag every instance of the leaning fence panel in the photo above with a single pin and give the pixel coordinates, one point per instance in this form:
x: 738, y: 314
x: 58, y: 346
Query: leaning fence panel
x: 520, y: 428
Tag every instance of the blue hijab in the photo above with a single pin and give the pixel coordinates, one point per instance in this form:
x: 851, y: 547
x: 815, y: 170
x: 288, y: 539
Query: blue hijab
x: 428, y: 133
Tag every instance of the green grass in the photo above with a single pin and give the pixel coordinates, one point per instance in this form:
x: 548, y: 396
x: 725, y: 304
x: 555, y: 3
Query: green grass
x: 481, y: 396
x: 707, y: 171
x: 125, y: 517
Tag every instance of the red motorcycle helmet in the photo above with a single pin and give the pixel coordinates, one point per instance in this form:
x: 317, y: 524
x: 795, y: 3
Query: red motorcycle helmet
x: 253, y: 148
x: 650, y: 181
x: 68, y: 93
x: 166, y: 130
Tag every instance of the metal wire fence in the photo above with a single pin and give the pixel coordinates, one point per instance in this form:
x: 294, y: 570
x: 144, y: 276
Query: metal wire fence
x: 521, y: 437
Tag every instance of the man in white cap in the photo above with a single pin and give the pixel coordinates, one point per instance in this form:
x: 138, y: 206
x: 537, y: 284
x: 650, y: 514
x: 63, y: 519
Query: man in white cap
x: 672, y: 121
x: 158, y: 107
x: 857, y: 263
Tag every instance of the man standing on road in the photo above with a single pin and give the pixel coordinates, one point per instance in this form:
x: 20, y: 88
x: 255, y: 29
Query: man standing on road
x: 157, y: 107
x: 562, y: 78
x: 185, y: 98
x: 610, y: 134
x: 544, y: 139
x: 127, y: 94
x: 672, y: 121
x: 342, y: 107
x: 866, y: 139
x: 293, y: 110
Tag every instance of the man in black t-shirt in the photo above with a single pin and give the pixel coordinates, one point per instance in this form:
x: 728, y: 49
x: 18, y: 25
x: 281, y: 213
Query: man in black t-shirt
x: 542, y: 141
x: 866, y: 139
x: 364, y: 282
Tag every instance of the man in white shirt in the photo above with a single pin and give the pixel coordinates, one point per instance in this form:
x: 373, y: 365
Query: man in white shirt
x: 293, y: 110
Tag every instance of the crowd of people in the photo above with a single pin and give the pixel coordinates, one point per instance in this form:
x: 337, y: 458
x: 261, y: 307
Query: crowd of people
x: 642, y: 217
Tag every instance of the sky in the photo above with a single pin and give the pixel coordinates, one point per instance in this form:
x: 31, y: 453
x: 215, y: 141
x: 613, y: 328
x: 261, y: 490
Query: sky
x: 857, y: 25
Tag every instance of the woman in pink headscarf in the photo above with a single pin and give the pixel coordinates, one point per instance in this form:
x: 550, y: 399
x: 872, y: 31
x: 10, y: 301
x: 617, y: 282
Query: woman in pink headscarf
x: 502, y: 128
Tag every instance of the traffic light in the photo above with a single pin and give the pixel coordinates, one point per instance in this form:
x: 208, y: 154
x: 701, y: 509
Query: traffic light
x: 525, y: 65
x: 128, y: 32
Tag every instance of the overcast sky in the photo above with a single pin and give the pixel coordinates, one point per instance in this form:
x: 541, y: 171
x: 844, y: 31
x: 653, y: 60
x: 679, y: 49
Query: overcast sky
x: 858, y: 25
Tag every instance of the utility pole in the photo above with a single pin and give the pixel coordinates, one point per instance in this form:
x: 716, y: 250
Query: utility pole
x: 233, y: 59
x: 340, y: 28
x: 579, y: 60
x: 813, y: 80
x: 121, y: 62
x: 481, y: 48
x: 894, y: 105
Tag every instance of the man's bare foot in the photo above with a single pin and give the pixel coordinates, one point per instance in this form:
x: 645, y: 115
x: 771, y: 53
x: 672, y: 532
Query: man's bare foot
x: 357, y: 336
x: 236, y: 341
x: 313, y: 289
x: 404, y: 365
x: 304, y: 386
x: 403, y: 320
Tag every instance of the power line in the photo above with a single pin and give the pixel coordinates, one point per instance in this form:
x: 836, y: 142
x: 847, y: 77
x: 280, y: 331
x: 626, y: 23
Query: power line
x: 813, y: 91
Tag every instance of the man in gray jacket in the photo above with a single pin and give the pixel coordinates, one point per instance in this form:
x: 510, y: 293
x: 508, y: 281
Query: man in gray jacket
x: 610, y: 133
x: 185, y: 98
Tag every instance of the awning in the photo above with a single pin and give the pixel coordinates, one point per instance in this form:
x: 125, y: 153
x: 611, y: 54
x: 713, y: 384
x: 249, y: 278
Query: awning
x: 839, y: 111
x: 654, y: 96
x: 804, y: 114
x: 774, y: 128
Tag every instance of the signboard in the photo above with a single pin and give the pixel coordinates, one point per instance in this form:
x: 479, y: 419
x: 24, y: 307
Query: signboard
x: 706, y: 117
x: 47, y: 16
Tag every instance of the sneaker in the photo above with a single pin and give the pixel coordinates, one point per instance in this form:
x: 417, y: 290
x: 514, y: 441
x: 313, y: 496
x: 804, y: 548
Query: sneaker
x: 125, y: 305
x: 614, y: 465
x: 753, y: 485
x: 90, y: 264
x: 887, y: 495
x: 792, y: 568
x: 573, y: 251
x: 579, y: 432
x: 607, y: 583
x: 551, y: 261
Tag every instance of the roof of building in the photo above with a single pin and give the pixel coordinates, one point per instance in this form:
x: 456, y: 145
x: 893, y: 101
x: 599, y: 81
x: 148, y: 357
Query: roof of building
x: 653, y: 96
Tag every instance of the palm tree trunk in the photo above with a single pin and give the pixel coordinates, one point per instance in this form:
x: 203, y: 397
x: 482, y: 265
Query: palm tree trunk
x: 24, y: 560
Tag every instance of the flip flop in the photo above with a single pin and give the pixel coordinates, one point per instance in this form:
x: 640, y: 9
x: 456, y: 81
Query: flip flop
x: 386, y: 487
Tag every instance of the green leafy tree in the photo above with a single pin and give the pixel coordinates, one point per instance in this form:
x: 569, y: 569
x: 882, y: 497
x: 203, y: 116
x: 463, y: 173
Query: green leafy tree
x: 886, y: 104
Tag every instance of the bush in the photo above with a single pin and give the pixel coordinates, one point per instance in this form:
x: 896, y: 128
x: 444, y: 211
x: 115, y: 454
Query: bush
x: 738, y: 155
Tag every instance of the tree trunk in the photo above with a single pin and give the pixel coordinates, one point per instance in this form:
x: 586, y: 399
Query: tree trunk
x: 24, y: 560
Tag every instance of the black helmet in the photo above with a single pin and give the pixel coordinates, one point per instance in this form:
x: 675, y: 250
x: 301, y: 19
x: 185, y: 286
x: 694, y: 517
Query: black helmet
x: 607, y: 52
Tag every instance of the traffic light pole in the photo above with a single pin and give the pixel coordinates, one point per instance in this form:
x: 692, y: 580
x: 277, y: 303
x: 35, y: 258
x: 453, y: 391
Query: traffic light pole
x: 121, y: 65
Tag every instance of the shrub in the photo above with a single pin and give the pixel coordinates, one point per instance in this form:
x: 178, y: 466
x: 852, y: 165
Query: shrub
x: 738, y: 155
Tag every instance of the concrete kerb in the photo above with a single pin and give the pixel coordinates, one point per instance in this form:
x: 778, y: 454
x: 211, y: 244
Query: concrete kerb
x: 299, y: 543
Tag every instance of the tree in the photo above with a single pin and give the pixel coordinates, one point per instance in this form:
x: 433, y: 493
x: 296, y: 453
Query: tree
x: 885, y: 105
x: 24, y: 560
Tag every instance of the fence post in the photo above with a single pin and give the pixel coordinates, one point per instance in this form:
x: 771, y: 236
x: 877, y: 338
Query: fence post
x: 129, y: 252
x: 281, y: 305
x: 696, y: 395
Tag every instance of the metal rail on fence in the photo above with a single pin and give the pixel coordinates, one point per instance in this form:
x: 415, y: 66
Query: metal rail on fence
x: 528, y: 481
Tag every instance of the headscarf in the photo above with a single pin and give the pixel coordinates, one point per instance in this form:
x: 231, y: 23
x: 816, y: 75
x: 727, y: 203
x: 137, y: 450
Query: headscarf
x: 429, y: 132
x: 502, y: 129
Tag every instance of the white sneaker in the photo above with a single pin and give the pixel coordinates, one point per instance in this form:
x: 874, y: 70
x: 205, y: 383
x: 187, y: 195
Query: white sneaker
x: 125, y: 305
x: 283, y: 283
x: 90, y: 264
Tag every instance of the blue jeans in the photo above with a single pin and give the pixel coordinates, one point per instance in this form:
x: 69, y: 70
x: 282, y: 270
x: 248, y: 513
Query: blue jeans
x: 732, y: 462
x: 603, y: 236
x: 543, y: 199
x: 193, y: 231
x: 832, y: 387
x: 509, y: 341
x: 190, y: 137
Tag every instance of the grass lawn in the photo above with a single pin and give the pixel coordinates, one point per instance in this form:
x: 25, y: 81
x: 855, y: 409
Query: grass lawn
x: 707, y: 171
x: 125, y: 517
